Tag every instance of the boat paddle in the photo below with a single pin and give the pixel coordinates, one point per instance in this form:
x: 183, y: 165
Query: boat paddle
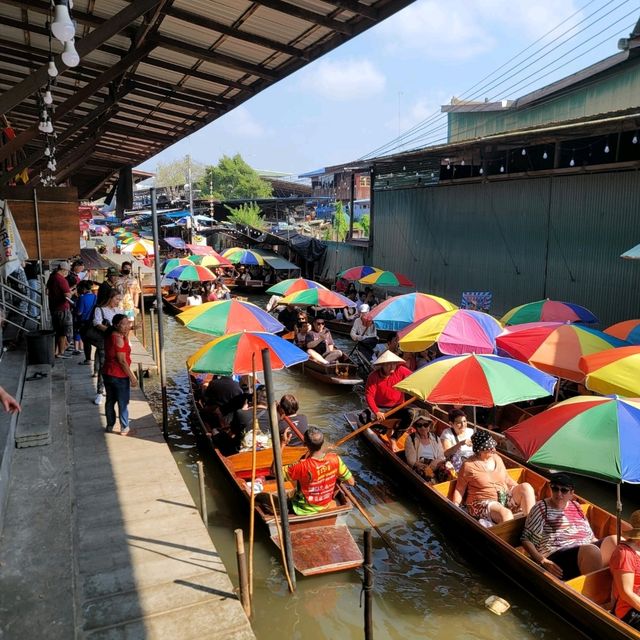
x: 369, y: 424
x: 356, y: 503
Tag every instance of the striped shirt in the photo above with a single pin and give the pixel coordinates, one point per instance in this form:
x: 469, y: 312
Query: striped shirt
x: 550, y: 529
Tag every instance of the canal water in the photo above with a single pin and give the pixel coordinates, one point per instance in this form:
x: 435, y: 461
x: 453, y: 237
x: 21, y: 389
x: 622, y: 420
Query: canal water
x: 428, y: 586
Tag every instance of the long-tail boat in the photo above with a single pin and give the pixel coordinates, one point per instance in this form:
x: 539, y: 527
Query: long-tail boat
x: 583, y: 601
x: 321, y: 542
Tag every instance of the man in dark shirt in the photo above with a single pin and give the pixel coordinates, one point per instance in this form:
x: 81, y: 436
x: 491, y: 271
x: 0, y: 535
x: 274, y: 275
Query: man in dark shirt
x: 107, y: 286
x: 225, y: 394
x: 288, y: 317
x: 59, y: 294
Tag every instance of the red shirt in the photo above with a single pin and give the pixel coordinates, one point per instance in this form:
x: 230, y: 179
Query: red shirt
x: 58, y: 290
x: 379, y: 391
x: 625, y: 560
x: 111, y: 366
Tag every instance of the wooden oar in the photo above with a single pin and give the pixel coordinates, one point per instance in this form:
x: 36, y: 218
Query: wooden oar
x: 355, y: 502
x: 369, y: 424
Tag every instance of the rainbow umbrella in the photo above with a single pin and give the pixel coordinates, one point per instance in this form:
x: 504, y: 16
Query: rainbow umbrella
x: 400, y: 311
x: 592, y: 435
x: 548, y: 311
x: 628, y: 330
x: 356, y: 273
x: 237, y: 255
x: 291, y: 285
x: 231, y: 354
x: 556, y: 349
x: 174, y: 263
x: 613, y: 371
x: 387, y: 279
x: 192, y: 273
x: 209, y: 260
x: 632, y: 254
x: 478, y: 380
x: 117, y: 230
x: 228, y: 316
x: 318, y: 298
x: 140, y: 246
x: 456, y: 332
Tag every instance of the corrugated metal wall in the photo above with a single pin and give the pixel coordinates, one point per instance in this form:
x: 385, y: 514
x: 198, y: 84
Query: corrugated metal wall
x: 523, y: 240
x: 340, y: 256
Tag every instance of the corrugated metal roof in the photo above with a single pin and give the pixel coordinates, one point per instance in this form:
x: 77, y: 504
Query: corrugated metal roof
x: 189, y: 62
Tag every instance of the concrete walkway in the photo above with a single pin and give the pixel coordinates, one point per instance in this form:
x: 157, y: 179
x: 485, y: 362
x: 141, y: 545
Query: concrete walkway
x: 101, y: 537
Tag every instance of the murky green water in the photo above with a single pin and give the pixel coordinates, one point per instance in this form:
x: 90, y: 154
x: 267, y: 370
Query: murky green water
x: 426, y: 587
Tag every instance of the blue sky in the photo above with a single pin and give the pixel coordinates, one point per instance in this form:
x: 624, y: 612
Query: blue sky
x: 385, y: 81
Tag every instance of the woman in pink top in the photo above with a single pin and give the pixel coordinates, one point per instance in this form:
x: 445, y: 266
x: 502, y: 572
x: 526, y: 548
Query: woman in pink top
x: 489, y: 492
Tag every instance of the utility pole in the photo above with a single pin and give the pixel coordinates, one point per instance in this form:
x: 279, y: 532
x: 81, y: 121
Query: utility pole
x: 190, y: 198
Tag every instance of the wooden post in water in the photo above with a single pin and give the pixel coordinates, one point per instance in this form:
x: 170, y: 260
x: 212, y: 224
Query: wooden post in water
x: 152, y: 323
x: 140, y: 377
x: 245, y: 598
x: 203, y: 495
x: 367, y: 585
x: 285, y: 540
x: 141, y: 301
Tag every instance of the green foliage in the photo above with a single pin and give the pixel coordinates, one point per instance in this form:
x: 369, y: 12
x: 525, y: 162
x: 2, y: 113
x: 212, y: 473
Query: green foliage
x: 340, y: 223
x: 365, y: 224
x: 233, y: 179
x: 249, y: 214
x: 175, y: 174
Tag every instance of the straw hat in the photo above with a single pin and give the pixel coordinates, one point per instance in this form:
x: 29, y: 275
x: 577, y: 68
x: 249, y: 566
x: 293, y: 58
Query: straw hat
x: 634, y: 532
x: 388, y: 356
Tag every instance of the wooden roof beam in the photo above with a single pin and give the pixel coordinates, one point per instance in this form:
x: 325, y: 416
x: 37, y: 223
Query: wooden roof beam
x: 356, y: 7
x: 309, y: 16
x: 140, y: 134
x: 217, y: 58
x: 84, y: 46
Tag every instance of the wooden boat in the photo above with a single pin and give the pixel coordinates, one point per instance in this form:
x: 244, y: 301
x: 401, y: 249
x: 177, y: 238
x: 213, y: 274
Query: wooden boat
x: 583, y: 601
x: 343, y: 327
x: 322, y: 542
x: 169, y: 301
x: 341, y: 373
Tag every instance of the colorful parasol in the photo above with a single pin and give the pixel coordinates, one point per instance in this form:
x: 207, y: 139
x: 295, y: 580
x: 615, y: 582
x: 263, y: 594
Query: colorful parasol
x: 478, y: 380
x: 556, y: 349
x: 232, y: 354
x: 613, y: 371
x: 228, y: 316
x: 400, y: 311
x: 209, y: 260
x: 174, y: 263
x: 355, y: 273
x: 548, y: 311
x: 192, y: 273
x: 237, y: 255
x: 318, y: 298
x: 595, y: 436
x: 387, y: 279
x: 291, y: 285
x: 456, y: 332
x: 632, y: 254
x: 140, y: 246
x: 628, y: 330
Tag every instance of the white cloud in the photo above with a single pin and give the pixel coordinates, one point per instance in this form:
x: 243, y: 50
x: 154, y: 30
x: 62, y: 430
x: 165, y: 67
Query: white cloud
x: 243, y: 124
x: 344, y: 80
x: 446, y: 31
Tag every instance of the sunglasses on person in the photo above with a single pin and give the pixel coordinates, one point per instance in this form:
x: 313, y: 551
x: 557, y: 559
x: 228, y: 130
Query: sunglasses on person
x: 562, y: 490
x: 320, y: 323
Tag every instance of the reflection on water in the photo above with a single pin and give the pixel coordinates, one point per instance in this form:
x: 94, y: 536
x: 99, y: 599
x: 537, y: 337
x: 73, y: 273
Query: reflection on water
x: 428, y: 585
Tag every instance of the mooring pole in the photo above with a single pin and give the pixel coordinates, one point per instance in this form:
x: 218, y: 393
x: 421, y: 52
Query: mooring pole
x: 245, y: 598
x: 367, y: 585
x: 161, y: 360
x: 277, y: 463
x: 203, y: 496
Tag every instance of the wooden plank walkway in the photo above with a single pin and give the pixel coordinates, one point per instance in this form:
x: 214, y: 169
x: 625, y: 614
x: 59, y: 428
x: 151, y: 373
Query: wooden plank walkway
x: 124, y: 552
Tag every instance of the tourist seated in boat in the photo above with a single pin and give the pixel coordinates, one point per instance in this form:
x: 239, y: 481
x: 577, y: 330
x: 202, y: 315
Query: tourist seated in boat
x: 273, y: 303
x: 288, y: 407
x: 392, y: 344
x: 380, y: 393
x: 558, y: 536
x: 625, y: 569
x: 242, y: 422
x: 456, y: 439
x: 243, y: 276
x: 424, y: 453
x: 364, y: 332
x: 183, y: 294
x: 484, y: 486
x: 219, y: 292
x: 221, y: 398
x: 341, y: 285
x: 369, y: 298
x: 288, y: 317
x: 350, y: 313
x: 319, y: 342
x: 194, y: 298
x: 315, y: 475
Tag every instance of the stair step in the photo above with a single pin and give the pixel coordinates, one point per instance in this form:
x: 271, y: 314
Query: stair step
x: 34, y: 424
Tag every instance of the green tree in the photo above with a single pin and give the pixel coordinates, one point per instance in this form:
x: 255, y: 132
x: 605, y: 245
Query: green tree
x: 233, y: 179
x: 175, y: 174
x: 340, y: 223
x: 365, y: 224
x: 249, y: 214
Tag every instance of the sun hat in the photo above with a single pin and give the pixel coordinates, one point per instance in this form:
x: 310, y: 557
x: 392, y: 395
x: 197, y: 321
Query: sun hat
x: 562, y: 479
x: 482, y: 441
x: 388, y: 356
x: 634, y: 532
x: 365, y: 308
x: 112, y: 271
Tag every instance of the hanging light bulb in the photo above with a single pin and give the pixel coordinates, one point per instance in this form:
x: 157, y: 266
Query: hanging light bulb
x: 448, y: 166
x: 501, y: 168
x: 52, y: 70
x: 572, y: 162
x: 462, y: 164
x: 50, y: 165
x: 48, y: 127
x: 47, y: 98
x: 545, y: 155
x: 70, y: 56
x: 524, y: 151
x: 634, y: 140
x: 481, y: 170
x: 47, y: 151
x: 606, y: 148
x: 42, y: 126
x: 62, y: 27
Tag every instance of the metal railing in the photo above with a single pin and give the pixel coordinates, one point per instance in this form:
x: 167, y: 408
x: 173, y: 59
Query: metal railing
x: 8, y: 297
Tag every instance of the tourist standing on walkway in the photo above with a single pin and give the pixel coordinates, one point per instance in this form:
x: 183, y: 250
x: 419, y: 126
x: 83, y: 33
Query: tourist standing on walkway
x: 117, y: 374
x: 129, y: 289
x: 83, y: 313
x: 59, y: 294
